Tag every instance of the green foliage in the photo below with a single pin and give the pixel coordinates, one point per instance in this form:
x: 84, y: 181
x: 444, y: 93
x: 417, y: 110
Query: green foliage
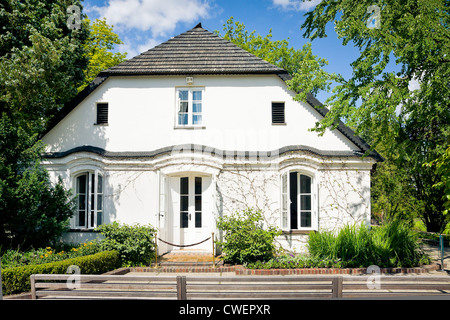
x: 41, y: 66
x: 291, y: 261
x: 442, y: 167
x: 17, y: 280
x: 302, y: 65
x: 244, y: 237
x: 135, y: 243
x: 412, y: 124
x: 33, y: 212
x: 98, y: 48
x: 391, y: 245
x: 16, y: 258
x: 41, y: 60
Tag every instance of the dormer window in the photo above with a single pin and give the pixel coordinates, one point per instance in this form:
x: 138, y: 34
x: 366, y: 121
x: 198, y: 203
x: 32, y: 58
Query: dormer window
x: 189, y: 107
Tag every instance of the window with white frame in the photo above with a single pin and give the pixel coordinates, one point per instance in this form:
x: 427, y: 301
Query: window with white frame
x: 89, y: 190
x: 189, y: 107
x: 297, y: 201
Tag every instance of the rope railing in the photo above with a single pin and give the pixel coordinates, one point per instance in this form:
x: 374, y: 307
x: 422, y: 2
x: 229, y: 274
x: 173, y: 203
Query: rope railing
x: 183, y: 246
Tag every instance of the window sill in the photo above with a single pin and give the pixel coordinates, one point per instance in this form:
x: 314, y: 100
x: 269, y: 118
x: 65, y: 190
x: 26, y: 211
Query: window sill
x: 101, y: 124
x: 294, y: 232
x: 190, y: 127
x: 81, y: 230
x: 279, y: 124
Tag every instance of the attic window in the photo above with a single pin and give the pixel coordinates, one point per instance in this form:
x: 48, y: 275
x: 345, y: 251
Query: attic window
x: 278, y: 113
x: 102, y: 113
x: 189, y: 107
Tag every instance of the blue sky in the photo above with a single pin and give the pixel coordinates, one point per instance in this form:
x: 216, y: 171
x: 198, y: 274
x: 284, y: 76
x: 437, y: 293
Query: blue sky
x: 142, y: 24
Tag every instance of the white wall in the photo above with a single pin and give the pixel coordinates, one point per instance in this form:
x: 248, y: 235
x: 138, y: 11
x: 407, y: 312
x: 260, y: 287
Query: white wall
x: 236, y: 112
x: 237, y: 116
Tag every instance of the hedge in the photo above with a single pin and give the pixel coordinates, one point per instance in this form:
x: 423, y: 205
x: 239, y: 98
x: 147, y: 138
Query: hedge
x: 17, y: 280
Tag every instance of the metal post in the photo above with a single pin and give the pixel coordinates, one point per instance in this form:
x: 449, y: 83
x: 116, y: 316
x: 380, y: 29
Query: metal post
x: 441, y: 246
x: 213, y: 253
x: 156, y: 250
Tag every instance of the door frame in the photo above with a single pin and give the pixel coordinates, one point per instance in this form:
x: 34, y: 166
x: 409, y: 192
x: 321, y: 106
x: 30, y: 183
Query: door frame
x: 169, y: 213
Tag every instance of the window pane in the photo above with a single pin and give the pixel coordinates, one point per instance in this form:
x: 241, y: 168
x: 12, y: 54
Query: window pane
x: 92, y: 201
x: 92, y: 218
x: 197, y: 95
x: 99, y: 202
x: 184, y: 203
x: 92, y: 183
x: 183, y: 95
x: 184, y: 107
x: 81, y: 184
x: 183, y: 119
x: 306, y: 219
x: 81, y: 218
x: 184, y: 185
x: 196, y: 119
x: 81, y: 202
x: 184, y: 220
x: 305, y: 202
x: 197, y: 107
x: 198, y: 219
x: 293, y: 197
x: 198, y: 203
x: 198, y: 185
x: 305, y: 184
x: 100, y: 184
x: 99, y: 218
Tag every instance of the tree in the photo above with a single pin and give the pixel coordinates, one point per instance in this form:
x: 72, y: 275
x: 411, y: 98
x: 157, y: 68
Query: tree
x: 301, y: 64
x: 41, y: 65
x: 41, y: 60
x: 413, y: 125
x: 98, y: 48
x: 33, y: 212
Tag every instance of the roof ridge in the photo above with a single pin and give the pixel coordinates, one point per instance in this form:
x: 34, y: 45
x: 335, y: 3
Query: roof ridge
x: 214, y: 51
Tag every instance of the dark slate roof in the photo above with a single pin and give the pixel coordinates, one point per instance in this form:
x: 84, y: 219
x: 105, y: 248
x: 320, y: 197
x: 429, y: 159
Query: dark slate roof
x: 197, y: 51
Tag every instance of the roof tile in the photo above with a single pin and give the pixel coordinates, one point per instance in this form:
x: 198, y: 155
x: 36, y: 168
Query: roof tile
x: 197, y: 51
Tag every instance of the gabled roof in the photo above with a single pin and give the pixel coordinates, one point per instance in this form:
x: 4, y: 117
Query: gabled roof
x: 197, y: 51
x: 194, y: 52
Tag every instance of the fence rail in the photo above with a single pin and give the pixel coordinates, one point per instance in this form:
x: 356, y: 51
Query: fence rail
x: 50, y: 286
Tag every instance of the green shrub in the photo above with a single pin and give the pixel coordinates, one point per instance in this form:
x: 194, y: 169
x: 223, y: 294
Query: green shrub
x: 17, y: 280
x: 391, y: 245
x: 135, y: 244
x: 16, y: 258
x: 244, y: 238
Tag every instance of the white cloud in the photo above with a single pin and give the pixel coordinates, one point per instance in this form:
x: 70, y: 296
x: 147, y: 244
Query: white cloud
x: 298, y: 5
x: 159, y: 17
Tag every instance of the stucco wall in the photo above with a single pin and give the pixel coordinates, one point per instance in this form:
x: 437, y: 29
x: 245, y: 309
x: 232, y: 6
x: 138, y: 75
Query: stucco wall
x: 236, y: 112
x: 237, y: 117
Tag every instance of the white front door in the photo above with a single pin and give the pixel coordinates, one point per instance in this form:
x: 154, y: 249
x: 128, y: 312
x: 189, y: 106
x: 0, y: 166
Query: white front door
x: 190, y: 212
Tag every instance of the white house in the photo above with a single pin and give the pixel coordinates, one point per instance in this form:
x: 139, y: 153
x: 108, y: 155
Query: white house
x: 197, y: 128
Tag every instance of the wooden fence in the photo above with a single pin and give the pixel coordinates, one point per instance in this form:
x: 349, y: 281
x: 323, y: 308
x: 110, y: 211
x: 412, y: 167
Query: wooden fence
x: 51, y: 286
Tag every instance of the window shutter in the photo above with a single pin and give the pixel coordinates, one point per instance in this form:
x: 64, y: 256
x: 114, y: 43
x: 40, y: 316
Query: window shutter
x: 278, y: 112
x: 102, y: 113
